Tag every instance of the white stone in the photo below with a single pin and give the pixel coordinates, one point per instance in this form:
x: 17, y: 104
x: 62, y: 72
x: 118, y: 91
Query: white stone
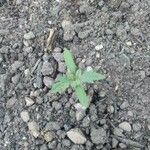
x: 29, y: 35
x: 34, y: 128
x: 25, y: 116
x: 125, y: 126
x: 29, y: 101
x: 76, y: 136
x: 99, y: 47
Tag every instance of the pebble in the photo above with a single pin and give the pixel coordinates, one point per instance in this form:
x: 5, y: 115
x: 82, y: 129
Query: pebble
x: 43, y: 147
x: 11, y: 102
x: 124, y: 105
x: 15, y: 79
x: 25, y: 116
x: 76, y: 136
x: 86, y: 122
x: 98, y: 136
x: 28, y: 36
x: 83, y: 34
x: 34, y: 128
x: 114, y: 143
x: 47, y: 68
x: 61, y: 67
x: 111, y: 109
x: 99, y: 47
x: 4, y: 50
x: 125, y: 126
x: 49, y: 136
x: 66, y: 142
x: 29, y: 101
x: 16, y: 65
x: 118, y: 132
x: 130, y: 113
x: 122, y: 145
x: 129, y: 43
x: 136, y: 126
x: 48, y: 81
x: 80, y: 114
x: 58, y: 57
x: 52, y: 145
x: 52, y: 126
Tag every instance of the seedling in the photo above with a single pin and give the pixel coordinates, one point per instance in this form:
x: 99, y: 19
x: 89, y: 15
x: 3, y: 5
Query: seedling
x: 75, y: 78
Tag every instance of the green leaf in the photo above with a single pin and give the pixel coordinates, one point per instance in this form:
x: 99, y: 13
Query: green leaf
x: 78, y: 73
x: 61, y: 85
x: 68, y: 57
x: 91, y: 76
x: 81, y: 95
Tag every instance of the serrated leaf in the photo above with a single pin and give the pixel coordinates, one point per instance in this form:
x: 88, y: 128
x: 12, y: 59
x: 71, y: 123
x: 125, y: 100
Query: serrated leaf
x: 69, y: 61
x: 81, y: 95
x: 61, y: 84
x: 91, y: 76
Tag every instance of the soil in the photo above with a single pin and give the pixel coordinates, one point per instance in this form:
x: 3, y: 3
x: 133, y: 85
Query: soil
x: 110, y: 36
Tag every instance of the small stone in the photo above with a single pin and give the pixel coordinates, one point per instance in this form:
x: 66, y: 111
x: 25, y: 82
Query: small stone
x: 57, y: 50
x: 129, y: 43
x: 58, y: 57
x: 29, y: 101
x: 84, y: 34
x: 29, y: 35
x: 76, y: 136
x: 4, y: 50
x: 110, y: 109
x: 114, y: 143
x: 16, y: 65
x: 86, y: 122
x: 99, y: 47
x: 43, y: 147
x: 125, y: 126
x: 80, y: 114
x: 52, y: 145
x: 48, y: 81
x: 66, y: 143
x: 118, y: 132
x: 61, y: 67
x: 52, y: 126
x: 102, y: 94
x: 130, y: 113
x: 136, y: 126
x: 34, y: 128
x: 49, y: 136
x: 124, y: 105
x: 11, y: 102
x: 122, y: 145
x: 25, y: 116
x: 47, y: 68
x: 98, y: 136
x: 15, y: 79
x: 148, y: 126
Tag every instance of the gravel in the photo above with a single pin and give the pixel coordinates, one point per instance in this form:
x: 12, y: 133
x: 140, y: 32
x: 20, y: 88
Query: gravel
x: 25, y: 116
x: 125, y: 126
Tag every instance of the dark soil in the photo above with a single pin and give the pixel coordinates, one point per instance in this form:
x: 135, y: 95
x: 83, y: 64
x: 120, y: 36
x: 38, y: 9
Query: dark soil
x: 110, y: 36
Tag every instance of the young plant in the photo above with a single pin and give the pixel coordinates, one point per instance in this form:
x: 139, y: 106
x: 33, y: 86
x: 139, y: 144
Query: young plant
x: 75, y: 78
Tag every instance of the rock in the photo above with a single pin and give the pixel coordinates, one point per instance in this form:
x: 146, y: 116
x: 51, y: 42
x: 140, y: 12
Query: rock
x: 47, y: 68
x: 57, y: 50
x: 61, y: 67
x: 34, y: 128
x: 48, y: 81
x: 43, y: 147
x: 29, y: 101
x: 29, y: 35
x: 125, y: 126
x: 129, y: 43
x: 83, y: 34
x: 66, y: 142
x: 80, y: 115
x: 122, y: 145
x: 25, y: 116
x: 86, y: 122
x: 58, y: 57
x: 49, y: 136
x: 15, y: 79
x: 124, y: 60
x: 2, y: 2
x: 69, y: 32
x: 11, y: 102
x: 137, y: 126
x: 52, y: 145
x: 124, y: 105
x: 16, y: 65
x: 76, y: 136
x: 118, y: 132
x: 114, y: 143
x: 102, y: 94
x: 52, y: 126
x: 99, y: 47
x: 111, y: 109
x: 98, y: 136
x: 4, y: 50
